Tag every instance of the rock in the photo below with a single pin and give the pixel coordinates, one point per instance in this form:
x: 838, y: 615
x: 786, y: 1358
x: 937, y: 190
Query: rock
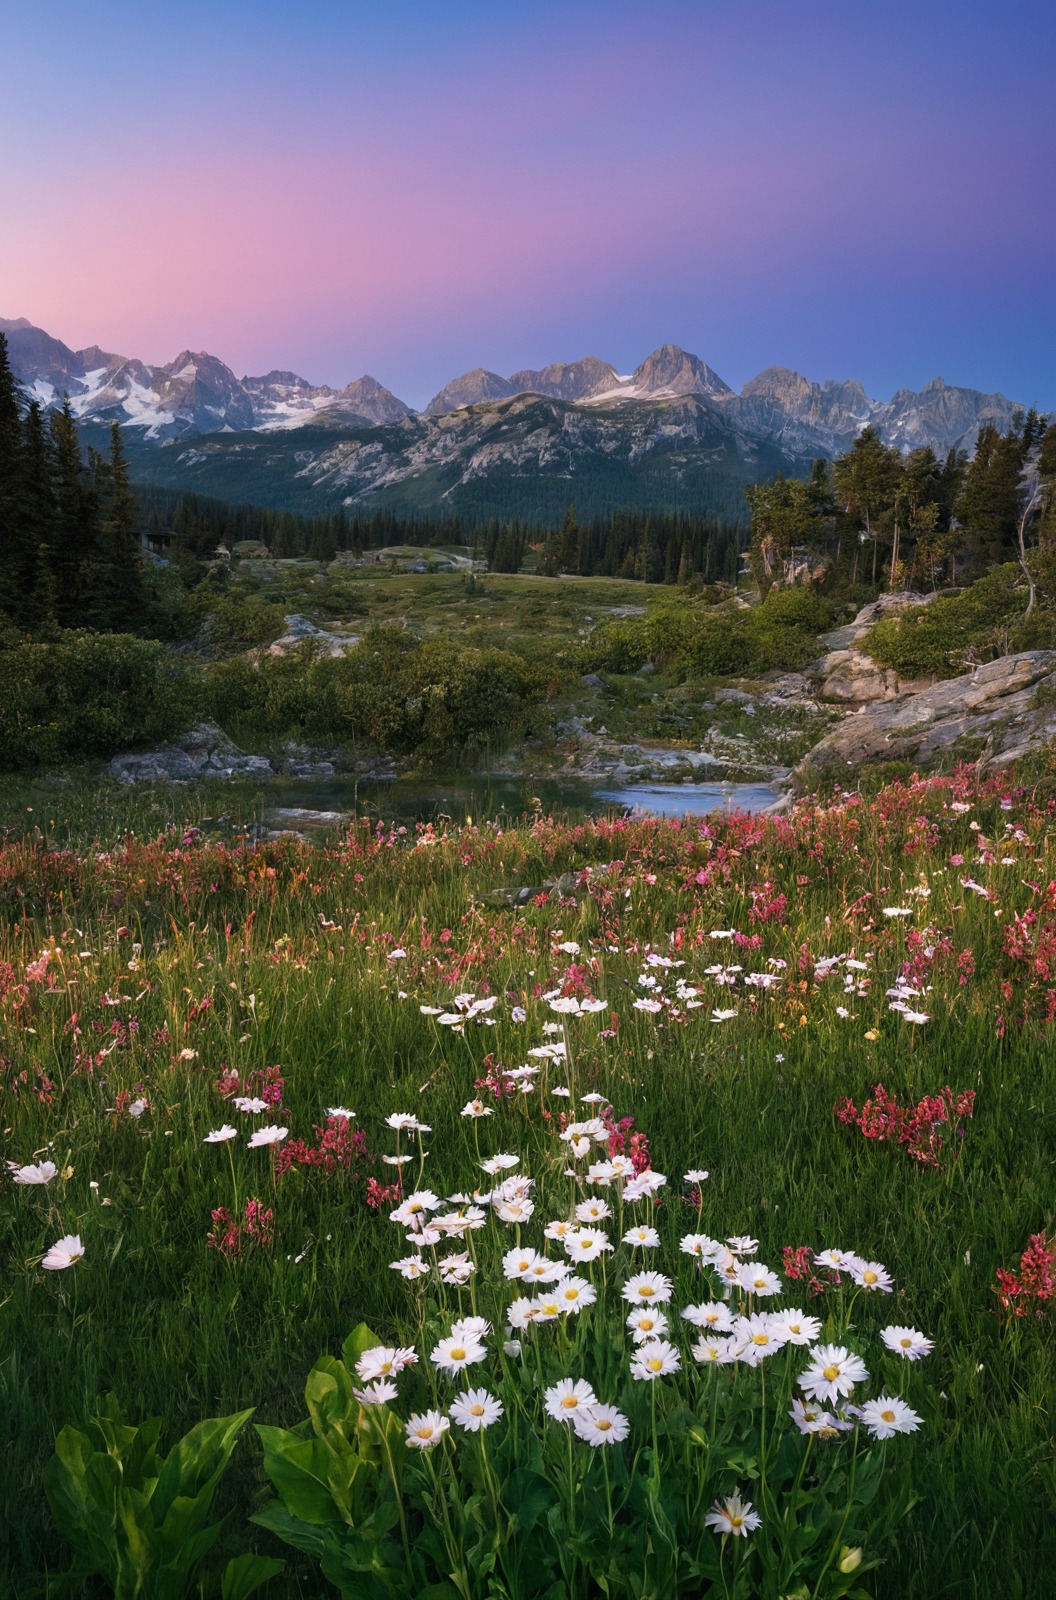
x: 731, y: 697
x: 843, y: 638
x: 852, y: 676
x: 299, y: 628
x: 999, y: 698
x: 647, y: 670
x: 590, y: 680
x: 204, y: 752
x: 311, y: 769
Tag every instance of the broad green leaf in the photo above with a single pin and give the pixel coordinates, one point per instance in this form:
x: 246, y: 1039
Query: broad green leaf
x: 299, y: 1470
x: 244, y: 1575
x: 196, y: 1462
x: 358, y: 1342
x: 313, y: 1540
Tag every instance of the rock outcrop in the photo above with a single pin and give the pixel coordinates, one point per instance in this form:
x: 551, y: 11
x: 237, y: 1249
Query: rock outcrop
x: 1009, y: 705
x: 856, y: 679
x: 204, y: 752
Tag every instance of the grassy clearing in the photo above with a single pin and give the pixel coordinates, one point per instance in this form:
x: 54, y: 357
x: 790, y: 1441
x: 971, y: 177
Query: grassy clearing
x: 149, y: 966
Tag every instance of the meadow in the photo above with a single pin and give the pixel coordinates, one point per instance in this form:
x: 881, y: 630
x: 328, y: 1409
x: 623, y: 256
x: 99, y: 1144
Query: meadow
x: 780, y: 1003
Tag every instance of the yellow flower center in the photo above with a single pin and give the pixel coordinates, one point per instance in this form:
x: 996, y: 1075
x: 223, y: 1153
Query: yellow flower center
x: 425, y: 1433
x: 458, y: 1353
x: 654, y: 1364
x: 569, y: 1402
x: 571, y: 1294
x: 907, y: 1344
x: 603, y: 1424
x: 869, y: 1277
x: 646, y: 1291
x: 476, y: 1410
x: 736, y: 1522
x: 888, y: 1416
x: 385, y: 1367
x: 645, y: 1323
x: 831, y: 1373
x: 760, y: 1338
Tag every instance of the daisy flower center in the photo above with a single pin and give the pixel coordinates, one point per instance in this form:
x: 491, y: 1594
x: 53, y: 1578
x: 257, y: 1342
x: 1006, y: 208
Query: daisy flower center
x: 476, y: 1410
x: 905, y: 1343
x: 735, y: 1522
x: 869, y: 1277
x: 760, y: 1338
x: 654, y: 1364
x: 831, y: 1373
x: 888, y: 1416
x: 458, y: 1353
x: 569, y: 1402
x: 603, y: 1425
x: 646, y: 1291
x: 425, y: 1433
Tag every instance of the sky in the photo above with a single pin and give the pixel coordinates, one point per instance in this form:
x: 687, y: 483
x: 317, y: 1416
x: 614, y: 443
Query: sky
x: 852, y: 188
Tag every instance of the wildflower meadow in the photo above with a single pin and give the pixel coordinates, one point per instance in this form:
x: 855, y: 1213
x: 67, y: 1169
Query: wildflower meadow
x: 684, y: 1230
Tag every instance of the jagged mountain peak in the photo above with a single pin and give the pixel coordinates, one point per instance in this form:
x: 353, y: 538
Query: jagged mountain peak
x: 469, y: 390
x: 568, y: 380
x: 670, y: 370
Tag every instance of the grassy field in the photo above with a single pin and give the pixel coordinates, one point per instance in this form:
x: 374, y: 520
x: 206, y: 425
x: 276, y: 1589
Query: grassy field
x: 148, y: 974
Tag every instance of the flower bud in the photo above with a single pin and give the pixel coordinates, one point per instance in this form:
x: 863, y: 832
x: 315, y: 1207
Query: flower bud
x: 850, y: 1559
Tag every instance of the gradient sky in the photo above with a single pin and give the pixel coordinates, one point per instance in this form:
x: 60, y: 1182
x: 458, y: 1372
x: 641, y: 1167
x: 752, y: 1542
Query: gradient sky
x: 856, y: 188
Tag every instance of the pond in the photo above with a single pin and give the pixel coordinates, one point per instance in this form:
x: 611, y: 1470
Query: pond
x: 305, y: 803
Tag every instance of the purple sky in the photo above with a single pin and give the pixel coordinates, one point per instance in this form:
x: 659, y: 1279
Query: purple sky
x: 850, y: 189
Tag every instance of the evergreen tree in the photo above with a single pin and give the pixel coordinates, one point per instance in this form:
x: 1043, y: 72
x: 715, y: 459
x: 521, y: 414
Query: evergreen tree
x: 17, y: 557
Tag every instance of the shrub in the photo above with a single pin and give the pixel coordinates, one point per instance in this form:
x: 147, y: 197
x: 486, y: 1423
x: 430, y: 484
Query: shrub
x: 943, y: 637
x: 390, y: 691
x: 717, y: 642
x: 84, y: 695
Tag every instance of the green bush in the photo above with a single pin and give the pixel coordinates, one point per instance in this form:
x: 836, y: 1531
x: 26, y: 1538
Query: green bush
x: 985, y: 621
x: 390, y: 691
x: 717, y: 642
x: 239, y: 619
x: 81, y: 695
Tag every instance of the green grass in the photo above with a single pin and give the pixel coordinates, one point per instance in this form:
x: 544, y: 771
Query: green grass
x: 291, y: 945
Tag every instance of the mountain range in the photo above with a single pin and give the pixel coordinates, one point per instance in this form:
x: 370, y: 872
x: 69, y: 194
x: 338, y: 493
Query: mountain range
x: 671, y: 433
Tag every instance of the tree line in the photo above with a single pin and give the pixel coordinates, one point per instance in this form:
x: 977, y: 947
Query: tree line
x: 69, y: 551
x: 878, y: 517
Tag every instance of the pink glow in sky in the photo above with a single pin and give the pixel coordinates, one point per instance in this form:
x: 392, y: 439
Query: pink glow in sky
x: 328, y: 190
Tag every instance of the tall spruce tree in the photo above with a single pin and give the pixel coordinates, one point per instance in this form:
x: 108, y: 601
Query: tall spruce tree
x: 17, y: 555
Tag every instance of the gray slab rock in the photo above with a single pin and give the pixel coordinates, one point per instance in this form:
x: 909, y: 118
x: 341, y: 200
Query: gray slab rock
x: 204, y: 752
x: 1007, y: 703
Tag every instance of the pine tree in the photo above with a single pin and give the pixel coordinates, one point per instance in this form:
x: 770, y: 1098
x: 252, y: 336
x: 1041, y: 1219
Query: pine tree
x: 120, y: 602
x: 17, y: 557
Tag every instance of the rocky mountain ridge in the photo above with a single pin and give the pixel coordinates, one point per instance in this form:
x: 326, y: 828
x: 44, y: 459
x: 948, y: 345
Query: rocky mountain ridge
x: 197, y: 394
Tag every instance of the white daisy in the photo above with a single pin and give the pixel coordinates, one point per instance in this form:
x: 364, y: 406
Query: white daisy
x: 568, y: 1397
x: 908, y: 1343
x: 885, y: 1416
x: 475, y: 1409
x: 425, y: 1429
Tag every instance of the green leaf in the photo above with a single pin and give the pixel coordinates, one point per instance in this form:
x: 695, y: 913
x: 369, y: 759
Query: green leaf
x: 312, y: 1540
x: 196, y: 1462
x: 300, y: 1470
x: 244, y: 1575
x: 359, y: 1341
